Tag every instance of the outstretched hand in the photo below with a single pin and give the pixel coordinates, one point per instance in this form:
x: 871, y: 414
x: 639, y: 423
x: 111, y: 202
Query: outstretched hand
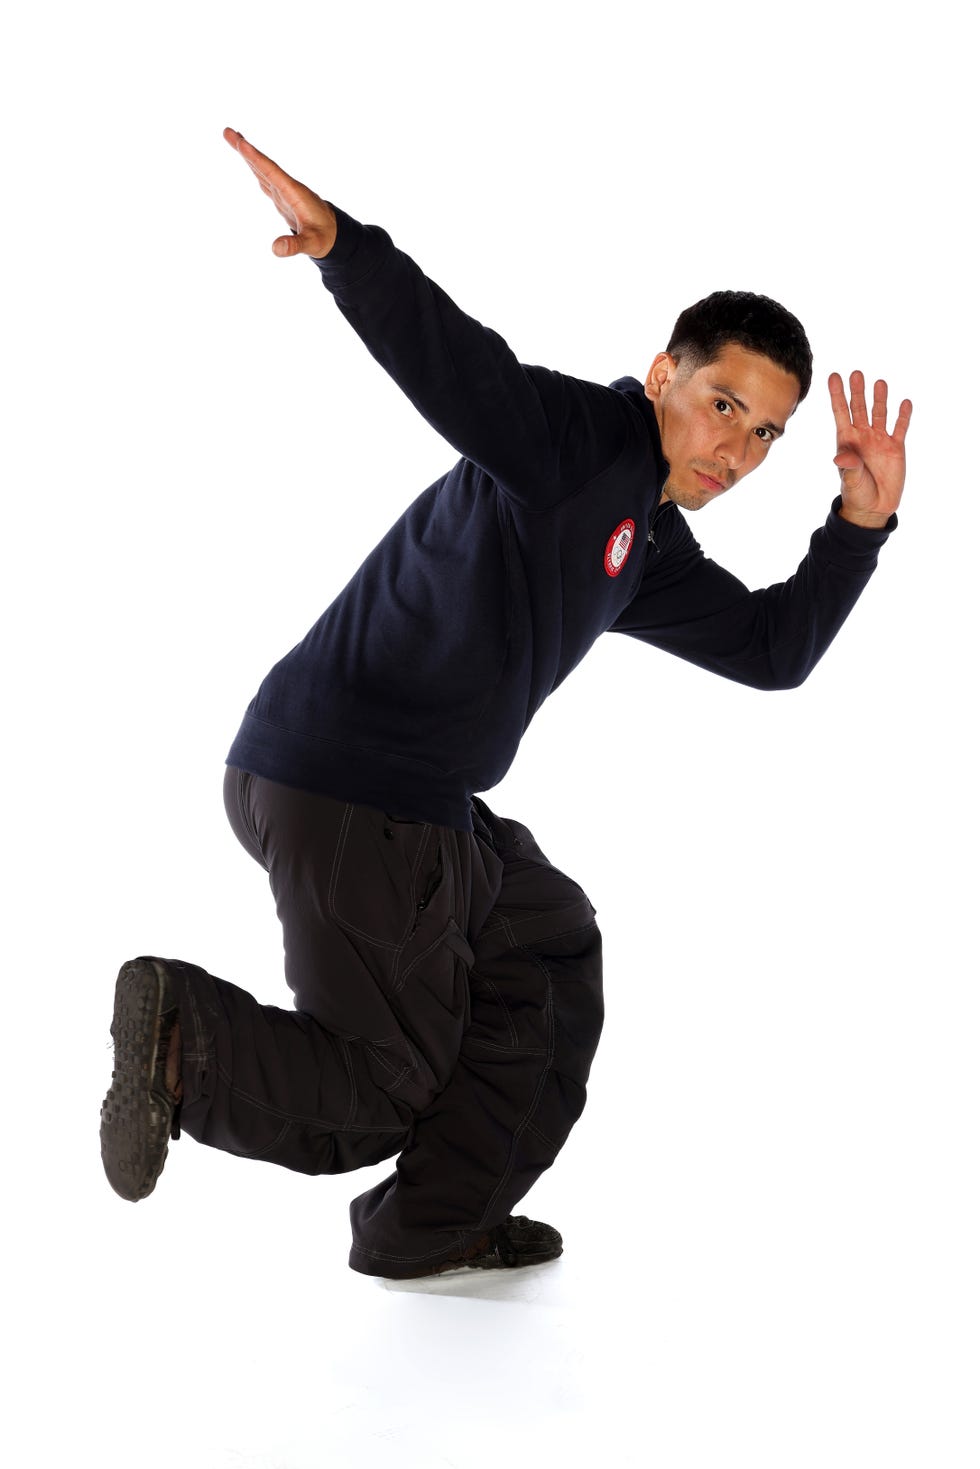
x: 870, y: 459
x: 311, y: 219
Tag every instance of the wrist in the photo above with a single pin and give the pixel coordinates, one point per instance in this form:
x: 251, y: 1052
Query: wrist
x: 869, y: 519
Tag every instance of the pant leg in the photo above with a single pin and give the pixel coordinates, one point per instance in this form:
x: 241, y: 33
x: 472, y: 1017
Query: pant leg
x: 520, y: 1083
x: 374, y: 914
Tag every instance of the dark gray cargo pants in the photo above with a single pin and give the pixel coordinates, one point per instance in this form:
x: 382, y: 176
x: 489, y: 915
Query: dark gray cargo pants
x: 448, y: 1000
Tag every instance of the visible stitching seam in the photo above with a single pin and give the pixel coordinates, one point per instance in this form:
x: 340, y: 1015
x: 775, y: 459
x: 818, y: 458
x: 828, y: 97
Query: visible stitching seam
x: 538, y: 1091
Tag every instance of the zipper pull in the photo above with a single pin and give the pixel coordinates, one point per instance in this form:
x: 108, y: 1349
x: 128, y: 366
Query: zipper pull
x: 653, y: 520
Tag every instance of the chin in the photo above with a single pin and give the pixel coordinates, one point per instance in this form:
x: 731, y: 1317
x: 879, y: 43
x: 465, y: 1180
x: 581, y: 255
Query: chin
x: 686, y: 499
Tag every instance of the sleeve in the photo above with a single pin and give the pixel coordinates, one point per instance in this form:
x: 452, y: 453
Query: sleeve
x: 538, y: 433
x: 768, y: 639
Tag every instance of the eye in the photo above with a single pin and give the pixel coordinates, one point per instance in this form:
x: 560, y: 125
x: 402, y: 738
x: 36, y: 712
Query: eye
x: 765, y: 434
x: 723, y: 406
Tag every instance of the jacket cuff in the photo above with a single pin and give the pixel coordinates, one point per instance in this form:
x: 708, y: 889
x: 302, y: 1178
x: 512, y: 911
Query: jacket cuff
x: 356, y: 252
x: 857, y: 537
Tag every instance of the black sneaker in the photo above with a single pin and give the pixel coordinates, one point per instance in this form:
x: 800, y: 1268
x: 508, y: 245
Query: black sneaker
x: 518, y: 1241
x: 140, y: 1114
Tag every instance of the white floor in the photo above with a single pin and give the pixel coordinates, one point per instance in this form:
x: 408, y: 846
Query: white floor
x: 770, y: 1260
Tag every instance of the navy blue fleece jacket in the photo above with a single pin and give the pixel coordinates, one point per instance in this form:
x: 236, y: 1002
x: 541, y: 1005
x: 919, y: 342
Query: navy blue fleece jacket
x: 412, y: 691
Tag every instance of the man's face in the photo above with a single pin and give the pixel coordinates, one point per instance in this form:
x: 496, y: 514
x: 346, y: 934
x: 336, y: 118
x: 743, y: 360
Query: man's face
x: 717, y: 423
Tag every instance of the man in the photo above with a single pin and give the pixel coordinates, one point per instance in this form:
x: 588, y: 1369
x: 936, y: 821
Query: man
x: 446, y: 976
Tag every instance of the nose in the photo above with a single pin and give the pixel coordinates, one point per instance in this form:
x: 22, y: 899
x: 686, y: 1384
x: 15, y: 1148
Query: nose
x: 733, y: 449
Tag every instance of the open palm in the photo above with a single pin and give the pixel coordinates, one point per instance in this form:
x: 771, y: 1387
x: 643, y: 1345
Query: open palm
x: 870, y: 459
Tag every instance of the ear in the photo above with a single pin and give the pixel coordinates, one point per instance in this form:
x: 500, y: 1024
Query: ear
x: 662, y: 372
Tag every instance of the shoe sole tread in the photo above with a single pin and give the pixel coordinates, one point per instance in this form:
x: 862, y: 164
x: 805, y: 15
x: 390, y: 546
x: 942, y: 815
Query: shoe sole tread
x: 137, y: 1114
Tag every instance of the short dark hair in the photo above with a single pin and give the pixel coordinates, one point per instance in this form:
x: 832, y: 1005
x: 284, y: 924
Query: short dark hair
x: 756, y: 323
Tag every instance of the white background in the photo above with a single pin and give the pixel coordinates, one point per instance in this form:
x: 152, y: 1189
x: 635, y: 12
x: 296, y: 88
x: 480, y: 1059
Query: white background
x: 771, y: 1205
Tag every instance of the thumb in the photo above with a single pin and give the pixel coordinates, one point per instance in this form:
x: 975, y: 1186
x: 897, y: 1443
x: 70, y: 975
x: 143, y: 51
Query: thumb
x: 286, y: 245
x: 847, y: 459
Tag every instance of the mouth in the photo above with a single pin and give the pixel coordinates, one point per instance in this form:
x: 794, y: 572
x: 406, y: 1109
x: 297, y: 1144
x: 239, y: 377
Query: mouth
x: 713, y: 486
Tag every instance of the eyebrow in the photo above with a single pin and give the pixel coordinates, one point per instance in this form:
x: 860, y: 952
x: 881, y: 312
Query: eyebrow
x: 774, y: 428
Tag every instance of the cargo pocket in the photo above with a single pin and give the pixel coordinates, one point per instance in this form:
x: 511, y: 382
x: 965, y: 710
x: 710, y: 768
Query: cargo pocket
x: 384, y: 873
x: 432, y: 999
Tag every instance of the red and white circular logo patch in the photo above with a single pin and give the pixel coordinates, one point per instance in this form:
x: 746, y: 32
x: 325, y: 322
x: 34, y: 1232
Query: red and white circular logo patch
x: 619, y: 547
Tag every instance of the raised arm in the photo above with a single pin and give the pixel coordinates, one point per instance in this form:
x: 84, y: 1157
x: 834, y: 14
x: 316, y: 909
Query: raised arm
x: 772, y: 638
x: 538, y: 433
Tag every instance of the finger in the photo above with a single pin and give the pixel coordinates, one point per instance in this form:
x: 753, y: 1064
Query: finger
x: 879, y: 408
x: 286, y: 245
x: 838, y: 402
x: 265, y: 169
x: 859, y: 408
x: 902, y: 421
x: 252, y: 157
x: 304, y: 242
